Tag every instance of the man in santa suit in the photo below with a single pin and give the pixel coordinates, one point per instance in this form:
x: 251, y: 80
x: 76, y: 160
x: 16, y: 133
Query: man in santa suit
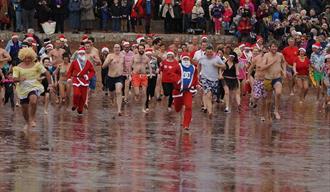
x: 80, y: 72
x: 185, y: 80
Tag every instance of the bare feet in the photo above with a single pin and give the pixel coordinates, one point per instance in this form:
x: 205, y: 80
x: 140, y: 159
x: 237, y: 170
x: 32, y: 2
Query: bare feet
x: 262, y: 119
x: 277, y: 115
x: 45, y: 112
x: 33, y: 124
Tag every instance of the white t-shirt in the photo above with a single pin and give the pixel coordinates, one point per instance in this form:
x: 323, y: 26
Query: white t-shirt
x: 209, y: 70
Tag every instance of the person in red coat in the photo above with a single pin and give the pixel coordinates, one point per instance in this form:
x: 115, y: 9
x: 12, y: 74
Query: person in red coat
x: 80, y: 72
x: 185, y: 80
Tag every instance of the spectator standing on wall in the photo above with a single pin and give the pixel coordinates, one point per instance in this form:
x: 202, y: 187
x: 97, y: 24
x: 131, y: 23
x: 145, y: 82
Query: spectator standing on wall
x: 217, y: 15
x: 137, y: 14
x: 28, y: 11
x: 168, y: 14
x: 104, y: 15
x: 74, y: 9
x: 59, y: 10
x: 227, y: 17
x: 187, y: 7
x: 43, y: 12
x: 87, y: 15
x: 125, y: 17
x: 115, y: 10
x: 148, y: 15
x: 18, y: 15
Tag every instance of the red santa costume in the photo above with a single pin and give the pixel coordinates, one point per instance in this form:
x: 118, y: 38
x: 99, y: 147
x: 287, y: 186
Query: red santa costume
x: 185, y: 80
x: 81, y: 71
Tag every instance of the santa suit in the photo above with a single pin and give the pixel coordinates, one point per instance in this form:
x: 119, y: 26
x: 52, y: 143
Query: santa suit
x: 80, y: 74
x: 185, y: 80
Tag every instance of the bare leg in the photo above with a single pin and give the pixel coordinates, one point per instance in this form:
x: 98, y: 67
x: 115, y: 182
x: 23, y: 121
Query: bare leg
x: 238, y: 98
x: 119, y: 98
x: 208, y: 102
x: 126, y: 91
x: 278, y: 93
x: 300, y: 85
x: 226, y: 97
x: 25, y: 111
x: 46, y: 100
x: 33, y: 109
x: 62, y: 92
x: 143, y: 97
x: 137, y: 93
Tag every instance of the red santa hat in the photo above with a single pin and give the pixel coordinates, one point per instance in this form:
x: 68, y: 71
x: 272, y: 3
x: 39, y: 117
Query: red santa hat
x: 204, y: 37
x: 149, y: 51
x: 134, y: 45
x: 34, y: 43
x: 84, y: 38
x: 327, y: 56
x: 105, y: 49
x: 126, y: 43
x: 14, y: 36
x: 185, y: 55
x: 29, y: 37
x: 139, y: 38
x: 317, y: 45
x: 81, y: 50
x: 170, y: 52
x: 49, y: 46
x: 247, y: 46
x: 241, y: 45
x: 62, y: 38
x: 302, y: 49
x: 259, y: 38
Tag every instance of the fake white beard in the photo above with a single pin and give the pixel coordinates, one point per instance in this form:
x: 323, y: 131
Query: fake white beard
x: 82, y: 58
x: 186, y: 63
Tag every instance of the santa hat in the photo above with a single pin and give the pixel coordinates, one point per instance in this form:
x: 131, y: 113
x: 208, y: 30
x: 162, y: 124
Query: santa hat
x: 151, y: 35
x: 33, y: 43
x: 105, y: 49
x: 81, y: 50
x: 169, y: 52
x: 241, y: 45
x: 62, y: 38
x: 29, y: 37
x: 317, y: 45
x: 134, y: 45
x: 14, y: 35
x: 149, y: 51
x: 302, y: 49
x: 259, y: 38
x: 139, y: 38
x: 327, y: 56
x: 204, y: 37
x: 185, y: 55
x: 84, y: 38
x: 125, y: 43
x: 49, y: 46
x: 247, y: 46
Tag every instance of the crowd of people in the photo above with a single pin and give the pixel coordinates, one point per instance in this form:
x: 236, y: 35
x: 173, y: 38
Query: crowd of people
x: 242, y: 18
x: 146, y: 71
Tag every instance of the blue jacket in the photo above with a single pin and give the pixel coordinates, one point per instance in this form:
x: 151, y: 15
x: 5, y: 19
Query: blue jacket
x: 17, y: 5
x: 74, y: 5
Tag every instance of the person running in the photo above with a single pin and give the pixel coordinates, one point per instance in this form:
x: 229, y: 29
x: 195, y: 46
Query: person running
x: 275, y: 71
x: 317, y: 63
x: 4, y: 59
x: 139, y: 74
x: 290, y: 54
x: 47, y: 64
x: 209, y: 66
x: 9, y: 86
x: 115, y: 82
x: 185, y: 80
x: 167, y: 67
x: 128, y: 59
x: 301, y: 71
x: 80, y: 72
x: 327, y: 81
x: 152, y: 77
x: 64, y: 87
x: 104, y: 72
x: 231, y: 82
x: 256, y: 73
x: 29, y: 88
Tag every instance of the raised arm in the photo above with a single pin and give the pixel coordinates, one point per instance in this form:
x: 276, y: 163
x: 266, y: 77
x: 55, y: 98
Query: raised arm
x: 107, y: 61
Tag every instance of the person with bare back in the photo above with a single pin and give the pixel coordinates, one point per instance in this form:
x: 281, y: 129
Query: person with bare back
x: 139, y: 74
x: 275, y: 71
x: 115, y: 79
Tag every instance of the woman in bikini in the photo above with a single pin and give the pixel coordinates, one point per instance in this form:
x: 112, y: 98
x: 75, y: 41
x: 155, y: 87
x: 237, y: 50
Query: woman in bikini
x: 60, y: 72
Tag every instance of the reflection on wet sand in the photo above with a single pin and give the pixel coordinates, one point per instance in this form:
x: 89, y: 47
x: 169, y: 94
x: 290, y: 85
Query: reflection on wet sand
x: 137, y: 152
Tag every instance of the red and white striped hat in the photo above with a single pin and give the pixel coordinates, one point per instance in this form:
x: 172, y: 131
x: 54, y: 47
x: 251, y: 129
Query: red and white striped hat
x: 14, y: 36
x: 316, y: 45
x: 81, y: 50
x: 149, y: 51
x: 170, y: 52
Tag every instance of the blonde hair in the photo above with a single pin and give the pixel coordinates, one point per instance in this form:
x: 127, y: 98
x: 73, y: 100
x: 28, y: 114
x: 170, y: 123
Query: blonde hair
x: 27, y: 52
